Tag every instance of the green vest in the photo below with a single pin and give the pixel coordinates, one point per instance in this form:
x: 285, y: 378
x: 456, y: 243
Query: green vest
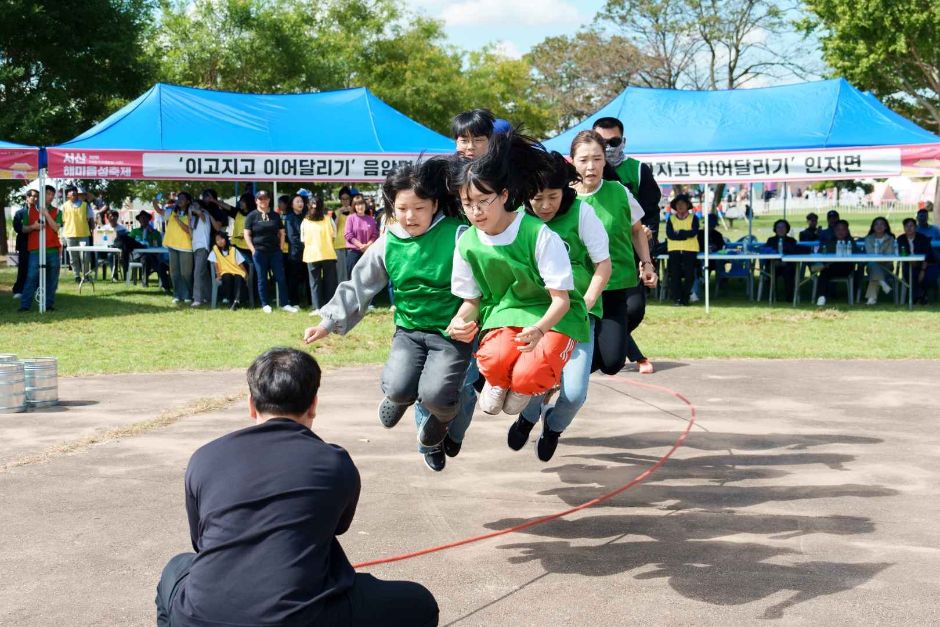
x: 420, y: 270
x: 629, y: 173
x: 566, y: 225
x: 612, y: 206
x: 512, y: 291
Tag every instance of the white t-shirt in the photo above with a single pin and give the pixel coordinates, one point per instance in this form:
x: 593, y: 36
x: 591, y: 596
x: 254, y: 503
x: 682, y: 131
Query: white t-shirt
x: 551, y: 256
x: 592, y: 232
x: 636, y: 211
x: 201, y: 231
x: 239, y: 258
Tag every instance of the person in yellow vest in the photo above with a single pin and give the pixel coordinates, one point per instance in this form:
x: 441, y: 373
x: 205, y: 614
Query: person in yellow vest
x: 339, y: 240
x: 682, y: 243
x: 179, y: 240
x: 230, y: 271
x: 318, y: 234
x: 77, y: 223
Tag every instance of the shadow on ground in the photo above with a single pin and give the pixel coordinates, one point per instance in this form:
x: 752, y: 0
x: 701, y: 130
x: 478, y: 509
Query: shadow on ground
x: 689, y: 544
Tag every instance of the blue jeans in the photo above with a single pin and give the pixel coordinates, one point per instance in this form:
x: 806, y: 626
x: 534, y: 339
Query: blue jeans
x: 275, y: 263
x: 32, y: 278
x: 574, y: 389
x: 467, y: 403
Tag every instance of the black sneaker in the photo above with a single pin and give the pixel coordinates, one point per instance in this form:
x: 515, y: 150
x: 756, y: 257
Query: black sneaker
x: 519, y: 433
x: 451, y: 448
x: 432, y: 432
x: 435, y: 459
x: 390, y: 413
x: 547, y: 444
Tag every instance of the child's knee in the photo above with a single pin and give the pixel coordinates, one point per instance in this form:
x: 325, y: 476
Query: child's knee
x: 535, y: 377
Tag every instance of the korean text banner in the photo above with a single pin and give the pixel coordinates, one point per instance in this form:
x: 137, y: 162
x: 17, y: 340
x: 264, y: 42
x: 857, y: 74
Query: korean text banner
x: 221, y: 166
x: 17, y: 163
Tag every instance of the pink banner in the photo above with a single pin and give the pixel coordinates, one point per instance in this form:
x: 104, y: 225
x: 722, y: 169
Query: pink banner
x: 19, y: 163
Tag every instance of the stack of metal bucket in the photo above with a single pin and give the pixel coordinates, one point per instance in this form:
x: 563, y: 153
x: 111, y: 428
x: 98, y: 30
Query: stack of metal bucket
x: 27, y: 383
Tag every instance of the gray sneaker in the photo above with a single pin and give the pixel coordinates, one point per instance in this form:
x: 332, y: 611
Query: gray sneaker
x: 390, y: 413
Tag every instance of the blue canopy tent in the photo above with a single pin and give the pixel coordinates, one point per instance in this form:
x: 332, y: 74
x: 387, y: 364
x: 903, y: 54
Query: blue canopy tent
x: 18, y: 161
x: 173, y: 132
x: 823, y: 130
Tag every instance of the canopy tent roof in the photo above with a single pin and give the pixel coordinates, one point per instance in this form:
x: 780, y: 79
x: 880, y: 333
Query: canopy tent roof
x: 808, y: 122
x: 184, y: 132
x: 18, y: 161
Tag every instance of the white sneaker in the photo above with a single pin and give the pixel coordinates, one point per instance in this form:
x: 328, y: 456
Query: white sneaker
x: 197, y: 303
x: 315, y: 312
x: 492, y: 399
x: 175, y: 301
x: 871, y: 301
x: 17, y: 296
x: 225, y: 301
x: 693, y: 297
x: 266, y: 309
x: 885, y: 287
x: 289, y: 309
x: 515, y: 402
x: 188, y: 300
x: 821, y: 301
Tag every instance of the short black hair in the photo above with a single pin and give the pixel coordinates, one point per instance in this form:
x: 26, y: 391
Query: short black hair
x: 50, y: 188
x: 283, y: 381
x: 911, y: 220
x: 71, y: 188
x: 832, y: 213
x: 344, y: 190
x: 473, y: 123
x: 812, y: 216
x: 922, y: 210
x: 211, y: 192
x: 608, y: 122
x: 786, y: 223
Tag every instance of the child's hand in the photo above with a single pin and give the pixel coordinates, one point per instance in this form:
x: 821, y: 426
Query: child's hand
x: 314, y: 334
x: 529, y: 337
x: 461, y: 330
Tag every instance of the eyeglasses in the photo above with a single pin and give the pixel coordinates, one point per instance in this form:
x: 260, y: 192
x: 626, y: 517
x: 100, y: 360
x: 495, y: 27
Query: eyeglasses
x: 479, y: 206
x: 261, y: 196
x: 613, y: 142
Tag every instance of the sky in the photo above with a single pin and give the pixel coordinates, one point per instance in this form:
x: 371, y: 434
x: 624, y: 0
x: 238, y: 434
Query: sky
x: 515, y: 25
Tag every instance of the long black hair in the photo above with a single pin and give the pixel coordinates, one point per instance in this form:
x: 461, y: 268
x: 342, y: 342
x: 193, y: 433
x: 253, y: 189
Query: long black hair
x: 561, y: 176
x: 303, y: 199
x: 871, y: 231
x: 515, y: 162
x: 249, y: 200
x: 316, y: 210
x: 428, y: 179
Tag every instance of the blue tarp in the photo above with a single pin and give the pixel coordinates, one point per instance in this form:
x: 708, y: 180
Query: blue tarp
x: 821, y: 114
x: 173, y: 118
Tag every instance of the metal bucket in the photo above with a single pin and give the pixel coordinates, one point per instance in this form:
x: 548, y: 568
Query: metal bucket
x: 12, y: 388
x: 42, y: 381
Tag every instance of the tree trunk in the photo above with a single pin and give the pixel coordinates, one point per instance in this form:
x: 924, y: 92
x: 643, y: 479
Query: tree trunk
x: 4, y: 249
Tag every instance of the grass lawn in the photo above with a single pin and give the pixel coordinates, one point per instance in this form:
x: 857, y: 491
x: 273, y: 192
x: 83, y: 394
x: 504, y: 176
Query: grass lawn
x: 132, y: 329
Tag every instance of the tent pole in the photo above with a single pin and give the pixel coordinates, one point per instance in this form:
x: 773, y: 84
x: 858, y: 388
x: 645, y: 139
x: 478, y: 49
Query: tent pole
x: 785, y: 190
x: 42, y: 244
x: 750, y: 214
x: 705, y: 272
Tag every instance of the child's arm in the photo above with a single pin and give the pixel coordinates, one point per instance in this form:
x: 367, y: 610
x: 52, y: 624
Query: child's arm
x: 463, y: 326
x: 351, y: 301
x: 530, y: 336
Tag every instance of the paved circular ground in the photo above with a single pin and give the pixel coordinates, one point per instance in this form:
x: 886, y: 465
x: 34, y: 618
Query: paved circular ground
x: 806, y: 493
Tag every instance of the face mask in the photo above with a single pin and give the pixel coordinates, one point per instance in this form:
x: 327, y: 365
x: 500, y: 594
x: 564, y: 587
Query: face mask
x: 614, y: 154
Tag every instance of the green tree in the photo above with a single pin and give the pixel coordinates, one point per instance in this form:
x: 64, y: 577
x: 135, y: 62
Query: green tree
x: 577, y: 75
x: 886, y: 46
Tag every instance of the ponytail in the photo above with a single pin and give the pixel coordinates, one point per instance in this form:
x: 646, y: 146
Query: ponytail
x: 427, y: 179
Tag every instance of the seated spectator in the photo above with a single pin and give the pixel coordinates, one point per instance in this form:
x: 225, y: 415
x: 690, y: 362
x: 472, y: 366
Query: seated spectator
x: 230, y: 271
x: 781, y: 242
x: 925, y: 273
x: 265, y: 506
x: 925, y: 228
x: 830, y: 271
x: 879, y: 241
x: 828, y: 234
x: 811, y: 232
x: 146, y: 236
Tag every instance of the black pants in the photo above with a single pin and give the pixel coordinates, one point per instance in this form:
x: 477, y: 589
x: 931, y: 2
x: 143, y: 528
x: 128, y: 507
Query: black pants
x: 322, y: 281
x: 233, y: 288
x: 296, y: 271
x: 370, y: 602
x: 681, y: 274
x: 636, y: 311
x: 787, y: 272
x: 830, y: 272
x: 22, y: 266
x: 610, y: 334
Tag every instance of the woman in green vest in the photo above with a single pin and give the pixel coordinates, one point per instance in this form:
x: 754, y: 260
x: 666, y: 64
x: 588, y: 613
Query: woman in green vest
x: 416, y: 253
x: 588, y: 249
x: 514, y: 275
x: 621, y: 216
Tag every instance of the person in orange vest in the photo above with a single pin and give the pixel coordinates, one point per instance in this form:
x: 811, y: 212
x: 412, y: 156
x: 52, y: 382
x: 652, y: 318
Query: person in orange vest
x: 33, y: 224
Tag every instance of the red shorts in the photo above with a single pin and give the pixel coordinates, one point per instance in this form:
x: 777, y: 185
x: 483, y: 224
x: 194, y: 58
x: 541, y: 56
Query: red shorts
x: 503, y: 365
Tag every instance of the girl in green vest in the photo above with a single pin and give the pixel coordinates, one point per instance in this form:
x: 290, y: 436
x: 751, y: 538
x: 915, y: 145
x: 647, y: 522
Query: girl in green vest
x: 416, y: 254
x: 621, y: 216
x: 587, y: 243
x: 514, y: 275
